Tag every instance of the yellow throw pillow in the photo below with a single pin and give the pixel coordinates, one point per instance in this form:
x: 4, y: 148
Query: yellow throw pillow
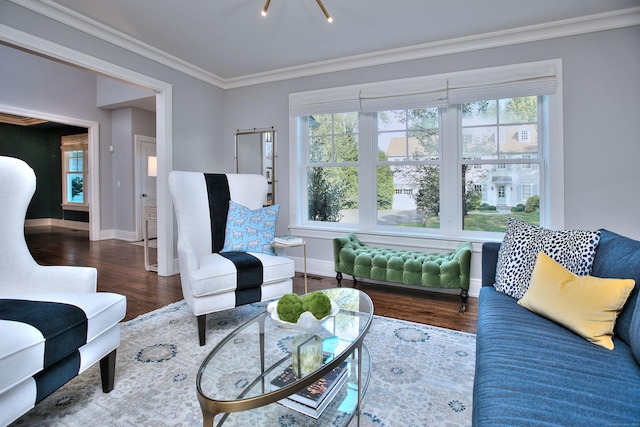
x: 586, y: 305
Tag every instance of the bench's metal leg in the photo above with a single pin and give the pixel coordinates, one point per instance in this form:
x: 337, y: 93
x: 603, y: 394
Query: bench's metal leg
x: 464, y: 295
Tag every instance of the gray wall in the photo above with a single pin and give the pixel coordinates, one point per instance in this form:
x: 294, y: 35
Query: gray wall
x: 601, y: 82
x: 28, y: 82
x: 601, y: 88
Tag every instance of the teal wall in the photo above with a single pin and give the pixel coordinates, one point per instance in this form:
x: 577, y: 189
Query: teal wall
x: 39, y: 146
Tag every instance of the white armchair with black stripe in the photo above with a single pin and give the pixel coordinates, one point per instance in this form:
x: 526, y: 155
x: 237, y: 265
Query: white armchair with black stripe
x: 53, y: 323
x: 225, y: 236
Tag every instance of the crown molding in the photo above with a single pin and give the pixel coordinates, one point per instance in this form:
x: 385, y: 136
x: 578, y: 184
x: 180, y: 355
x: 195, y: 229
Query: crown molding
x: 96, y: 29
x: 563, y: 28
x: 569, y: 27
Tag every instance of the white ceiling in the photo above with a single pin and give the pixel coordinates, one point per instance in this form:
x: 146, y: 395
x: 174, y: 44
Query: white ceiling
x: 229, y: 39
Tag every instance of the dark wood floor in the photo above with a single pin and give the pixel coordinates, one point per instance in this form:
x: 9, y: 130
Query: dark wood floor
x: 121, y: 269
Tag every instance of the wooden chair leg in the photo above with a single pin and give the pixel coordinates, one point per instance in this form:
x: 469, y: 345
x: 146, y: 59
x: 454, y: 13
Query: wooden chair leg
x: 202, y: 329
x: 108, y: 371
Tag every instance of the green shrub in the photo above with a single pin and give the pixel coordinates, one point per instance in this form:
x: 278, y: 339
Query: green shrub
x: 486, y: 207
x: 533, y: 204
x: 518, y: 208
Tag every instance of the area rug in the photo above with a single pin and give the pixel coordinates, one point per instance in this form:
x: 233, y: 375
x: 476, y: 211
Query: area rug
x: 421, y: 376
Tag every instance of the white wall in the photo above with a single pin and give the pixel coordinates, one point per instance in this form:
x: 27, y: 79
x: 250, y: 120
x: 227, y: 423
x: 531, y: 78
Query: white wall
x: 601, y: 144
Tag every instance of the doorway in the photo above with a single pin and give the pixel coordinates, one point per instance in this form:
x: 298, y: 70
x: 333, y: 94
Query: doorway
x: 163, y: 100
x: 146, y: 173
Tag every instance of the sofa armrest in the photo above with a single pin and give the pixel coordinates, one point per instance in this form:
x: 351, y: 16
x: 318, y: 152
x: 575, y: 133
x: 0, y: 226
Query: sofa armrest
x: 489, y: 262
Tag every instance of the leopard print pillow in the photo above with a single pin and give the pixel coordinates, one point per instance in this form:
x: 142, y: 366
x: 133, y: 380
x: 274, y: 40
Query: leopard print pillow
x: 573, y: 249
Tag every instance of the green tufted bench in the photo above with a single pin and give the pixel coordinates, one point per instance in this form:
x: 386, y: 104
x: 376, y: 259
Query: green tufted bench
x: 451, y: 270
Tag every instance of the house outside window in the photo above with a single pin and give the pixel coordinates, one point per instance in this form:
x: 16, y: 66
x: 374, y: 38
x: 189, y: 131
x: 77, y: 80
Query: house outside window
x: 437, y: 168
x: 74, y: 172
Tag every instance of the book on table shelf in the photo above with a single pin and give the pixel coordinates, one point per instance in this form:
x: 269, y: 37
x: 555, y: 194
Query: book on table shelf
x: 313, y: 399
x: 288, y: 240
x: 315, y: 394
x: 315, y: 412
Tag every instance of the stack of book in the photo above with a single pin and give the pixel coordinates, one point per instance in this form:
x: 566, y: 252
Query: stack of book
x: 314, y: 399
x: 288, y: 240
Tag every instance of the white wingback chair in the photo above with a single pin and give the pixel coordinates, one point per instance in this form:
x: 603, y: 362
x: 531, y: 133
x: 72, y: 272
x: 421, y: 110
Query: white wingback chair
x: 210, y: 282
x: 40, y: 305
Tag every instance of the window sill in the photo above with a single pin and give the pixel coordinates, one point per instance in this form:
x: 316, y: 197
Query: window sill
x: 384, y: 238
x: 80, y: 208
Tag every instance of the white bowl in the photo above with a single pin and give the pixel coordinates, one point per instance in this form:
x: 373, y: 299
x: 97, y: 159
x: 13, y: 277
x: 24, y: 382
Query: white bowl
x: 306, y: 322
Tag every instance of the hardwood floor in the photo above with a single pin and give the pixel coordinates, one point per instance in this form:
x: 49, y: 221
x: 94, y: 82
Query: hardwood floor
x: 121, y: 269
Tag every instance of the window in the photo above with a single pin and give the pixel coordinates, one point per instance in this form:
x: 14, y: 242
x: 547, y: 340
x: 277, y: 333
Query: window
x: 408, y: 158
x: 74, y: 172
x: 453, y: 162
x: 491, y: 130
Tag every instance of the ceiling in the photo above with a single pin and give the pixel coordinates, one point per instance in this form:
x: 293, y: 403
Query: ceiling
x: 229, y: 39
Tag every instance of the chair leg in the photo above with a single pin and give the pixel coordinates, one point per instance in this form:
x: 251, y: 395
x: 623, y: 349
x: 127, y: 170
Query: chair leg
x: 202, y: 329
x: 108, y: 371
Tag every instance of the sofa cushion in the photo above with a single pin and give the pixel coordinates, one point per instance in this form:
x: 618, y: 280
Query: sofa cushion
x: 573, y: 249
x: 550, y: 377
x: 586, y: 305
x: 218, y: 275
x: 22, y: 346
x: 635, y: 332
x: 619, y: 257
x: 250, y: 230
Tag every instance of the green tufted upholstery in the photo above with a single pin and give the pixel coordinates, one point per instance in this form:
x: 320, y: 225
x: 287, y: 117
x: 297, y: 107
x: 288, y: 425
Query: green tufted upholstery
x: 450, y: 270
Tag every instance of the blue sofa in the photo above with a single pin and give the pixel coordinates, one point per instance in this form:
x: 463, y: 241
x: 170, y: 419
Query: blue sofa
x: 531, y: 371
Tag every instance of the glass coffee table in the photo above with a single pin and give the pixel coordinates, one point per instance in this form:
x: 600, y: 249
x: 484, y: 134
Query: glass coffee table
x: 237, y: 382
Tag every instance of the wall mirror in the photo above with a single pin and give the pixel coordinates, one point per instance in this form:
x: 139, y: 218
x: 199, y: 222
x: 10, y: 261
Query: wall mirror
x: 255, y: 153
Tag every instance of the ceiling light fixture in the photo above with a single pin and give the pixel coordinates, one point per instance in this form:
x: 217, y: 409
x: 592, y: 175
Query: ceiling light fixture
x: 266, y: 6
x: 324, y: 10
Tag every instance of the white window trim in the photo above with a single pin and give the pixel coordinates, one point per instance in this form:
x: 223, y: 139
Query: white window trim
x: 552, y: 167
x: 75, y: 145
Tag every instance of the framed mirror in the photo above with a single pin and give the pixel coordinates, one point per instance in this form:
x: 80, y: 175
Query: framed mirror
x: 255, y: 153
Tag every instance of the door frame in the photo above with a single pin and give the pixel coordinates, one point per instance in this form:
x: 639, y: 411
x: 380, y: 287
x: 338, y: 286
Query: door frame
x: 167, y: 263
x: 138, y: 141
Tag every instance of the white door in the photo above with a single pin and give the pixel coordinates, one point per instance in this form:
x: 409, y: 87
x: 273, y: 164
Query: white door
x: 146, y: 167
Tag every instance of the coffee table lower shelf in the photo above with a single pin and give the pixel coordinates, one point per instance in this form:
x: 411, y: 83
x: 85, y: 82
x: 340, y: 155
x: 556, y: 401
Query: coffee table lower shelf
x: 340, y: 411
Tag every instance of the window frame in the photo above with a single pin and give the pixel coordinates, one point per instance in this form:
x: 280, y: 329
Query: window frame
x: 71, y: 143
x: 551, y: 169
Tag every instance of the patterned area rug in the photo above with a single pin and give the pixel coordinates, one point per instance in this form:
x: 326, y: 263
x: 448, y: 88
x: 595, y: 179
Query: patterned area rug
x: 421, y: 376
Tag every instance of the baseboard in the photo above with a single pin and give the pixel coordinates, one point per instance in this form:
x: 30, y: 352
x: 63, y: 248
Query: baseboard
x: 65, y: 223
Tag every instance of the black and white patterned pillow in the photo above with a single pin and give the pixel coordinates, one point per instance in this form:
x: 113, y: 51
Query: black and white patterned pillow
x: 573, y: 249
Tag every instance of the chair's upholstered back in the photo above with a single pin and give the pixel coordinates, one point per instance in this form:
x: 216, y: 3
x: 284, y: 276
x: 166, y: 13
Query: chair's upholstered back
x: 19, y: 272
x: 191, y: 203
x: 18, y: 186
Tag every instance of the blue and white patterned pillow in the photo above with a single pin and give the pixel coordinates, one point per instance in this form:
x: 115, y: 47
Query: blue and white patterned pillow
x: 250, y: 231
x: 575, y: 250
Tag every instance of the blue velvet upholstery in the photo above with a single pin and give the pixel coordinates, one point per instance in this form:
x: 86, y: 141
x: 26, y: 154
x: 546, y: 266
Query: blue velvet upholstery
x: 619, y: 257
x: 532, y: 371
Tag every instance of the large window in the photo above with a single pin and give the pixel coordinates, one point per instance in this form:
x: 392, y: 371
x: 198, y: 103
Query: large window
x: 458, y: 160
x: 74, y: 172
x: 500, y: 136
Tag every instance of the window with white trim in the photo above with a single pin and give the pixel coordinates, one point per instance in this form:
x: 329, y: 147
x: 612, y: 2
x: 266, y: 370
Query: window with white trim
x: 448, y: 155
x: 74, y: 172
